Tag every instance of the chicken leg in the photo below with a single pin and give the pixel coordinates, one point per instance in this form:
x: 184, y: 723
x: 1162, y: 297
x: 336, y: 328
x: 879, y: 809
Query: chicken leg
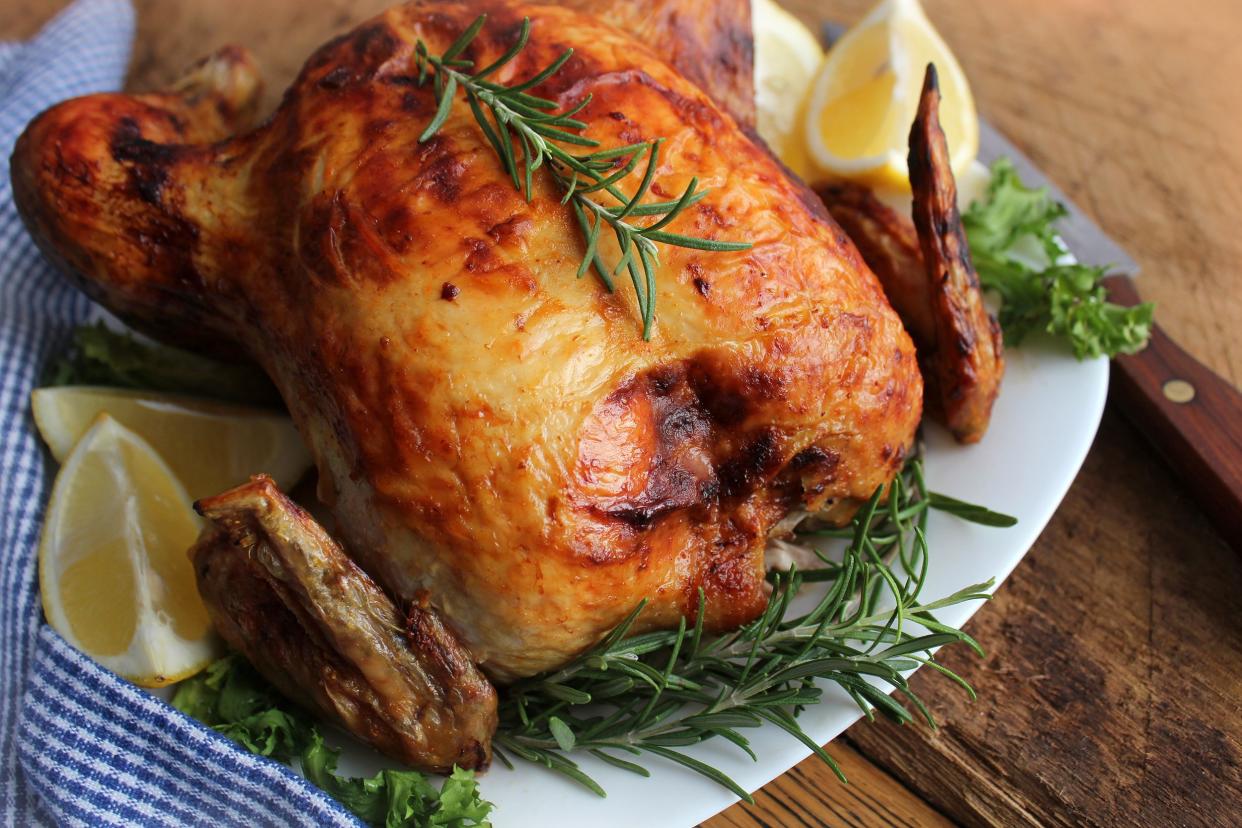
x: 283, y: 593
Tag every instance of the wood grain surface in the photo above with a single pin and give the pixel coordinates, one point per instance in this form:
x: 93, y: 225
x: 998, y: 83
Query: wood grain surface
x: 1112, y: 689
x: 1192, y: 417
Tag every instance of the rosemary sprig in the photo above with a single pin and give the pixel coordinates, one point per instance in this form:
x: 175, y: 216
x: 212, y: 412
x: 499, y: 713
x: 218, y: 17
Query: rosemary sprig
x: 659, y: 692
x: 527, y: 134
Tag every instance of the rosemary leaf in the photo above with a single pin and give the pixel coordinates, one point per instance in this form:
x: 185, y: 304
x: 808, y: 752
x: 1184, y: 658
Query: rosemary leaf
x: 442, y: 111
x: 459, y: 45
x: 970, y: 511
x: 563, y: 735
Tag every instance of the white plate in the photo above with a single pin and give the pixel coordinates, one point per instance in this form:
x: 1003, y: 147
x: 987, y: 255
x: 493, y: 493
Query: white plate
x: 1043, y: 424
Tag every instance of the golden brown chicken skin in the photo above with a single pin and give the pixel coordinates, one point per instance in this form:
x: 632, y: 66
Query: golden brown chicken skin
x: 889, y: 244
x: 492, y: 433
x: 709, y: 42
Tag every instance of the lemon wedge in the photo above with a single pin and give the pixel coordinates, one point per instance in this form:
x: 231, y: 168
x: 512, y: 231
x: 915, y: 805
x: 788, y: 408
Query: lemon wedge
x: 113, y: 571
x: 787, y: 55
x: 210, y: 446
x: 864, y: 99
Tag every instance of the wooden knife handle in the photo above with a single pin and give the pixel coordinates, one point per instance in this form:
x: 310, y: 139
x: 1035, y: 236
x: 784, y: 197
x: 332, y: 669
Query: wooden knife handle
x: 1191, y: 415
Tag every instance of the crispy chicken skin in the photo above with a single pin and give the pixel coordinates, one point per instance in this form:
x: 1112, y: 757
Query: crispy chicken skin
x: 708, y: 41
x: 493, y: 435
x: 968, y: 363
x: 889, y: 244
x: 927, y: 274
x: 283, y: 593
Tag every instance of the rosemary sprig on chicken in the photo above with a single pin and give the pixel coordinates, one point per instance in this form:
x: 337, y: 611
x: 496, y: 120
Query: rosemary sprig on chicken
x: 660, y: 692
x: 515, y: 113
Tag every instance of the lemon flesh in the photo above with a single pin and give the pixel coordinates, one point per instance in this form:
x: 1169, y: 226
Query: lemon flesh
x: 113, y: 572
x: 787, y: 56
x: 866, y: 94
x: 211, y: 447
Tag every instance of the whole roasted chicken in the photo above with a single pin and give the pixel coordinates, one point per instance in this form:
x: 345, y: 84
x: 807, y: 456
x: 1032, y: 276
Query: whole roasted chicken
x: 510, y: 465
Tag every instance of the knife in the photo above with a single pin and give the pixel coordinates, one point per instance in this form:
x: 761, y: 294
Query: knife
x: 1191, y: 415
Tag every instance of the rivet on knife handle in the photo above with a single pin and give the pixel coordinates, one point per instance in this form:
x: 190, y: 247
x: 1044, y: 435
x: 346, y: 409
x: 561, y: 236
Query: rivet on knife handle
x: 1179, y: 391
x: 1191, y: 415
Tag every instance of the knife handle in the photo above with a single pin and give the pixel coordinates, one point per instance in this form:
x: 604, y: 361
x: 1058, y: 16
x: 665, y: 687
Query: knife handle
x: 1191, y: 415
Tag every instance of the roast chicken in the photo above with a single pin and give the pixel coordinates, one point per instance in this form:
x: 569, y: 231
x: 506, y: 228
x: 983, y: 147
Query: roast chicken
x: 509, y: 464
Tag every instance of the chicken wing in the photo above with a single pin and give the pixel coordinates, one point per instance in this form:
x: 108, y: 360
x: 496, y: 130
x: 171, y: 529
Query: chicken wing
x: 927, y: 274
x: 968, y: 362
x: 889, y: 244
x: 284, y: 594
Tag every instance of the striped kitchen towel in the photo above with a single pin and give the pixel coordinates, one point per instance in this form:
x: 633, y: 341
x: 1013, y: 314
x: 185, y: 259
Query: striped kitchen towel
x: 81, y: 746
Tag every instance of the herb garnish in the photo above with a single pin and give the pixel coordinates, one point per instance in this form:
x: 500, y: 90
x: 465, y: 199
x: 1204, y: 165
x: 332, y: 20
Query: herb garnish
x: 99, y: 356
x: 538, y: 130
x: 233, y: 699
x: 1009, y: 229
x: 660, y: 691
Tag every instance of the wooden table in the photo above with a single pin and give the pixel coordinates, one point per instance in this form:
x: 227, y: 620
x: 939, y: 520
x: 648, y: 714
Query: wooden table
x: 1112, y: 688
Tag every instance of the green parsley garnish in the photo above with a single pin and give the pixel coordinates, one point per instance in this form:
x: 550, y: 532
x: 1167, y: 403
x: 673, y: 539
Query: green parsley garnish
x: 1010, y: 230
x: 99, y: 356
x: 233, y: 699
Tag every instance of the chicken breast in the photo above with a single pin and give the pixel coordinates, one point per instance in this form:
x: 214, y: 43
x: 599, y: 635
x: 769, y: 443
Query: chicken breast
x: 496, y: 440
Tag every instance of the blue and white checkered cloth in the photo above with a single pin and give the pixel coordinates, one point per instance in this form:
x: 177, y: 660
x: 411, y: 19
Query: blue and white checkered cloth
x: 79, y: 745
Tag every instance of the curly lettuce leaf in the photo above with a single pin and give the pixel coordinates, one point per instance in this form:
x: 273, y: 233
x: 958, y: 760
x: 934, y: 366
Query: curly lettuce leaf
x: 395, y: 799
x: 1010, y: 230
x: 232, y: 698
x: 99, y: 356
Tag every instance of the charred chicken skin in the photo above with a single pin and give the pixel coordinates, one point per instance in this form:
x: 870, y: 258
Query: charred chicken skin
x: 968, y: 362
x: 499, y: 446
x: 927, y: 274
